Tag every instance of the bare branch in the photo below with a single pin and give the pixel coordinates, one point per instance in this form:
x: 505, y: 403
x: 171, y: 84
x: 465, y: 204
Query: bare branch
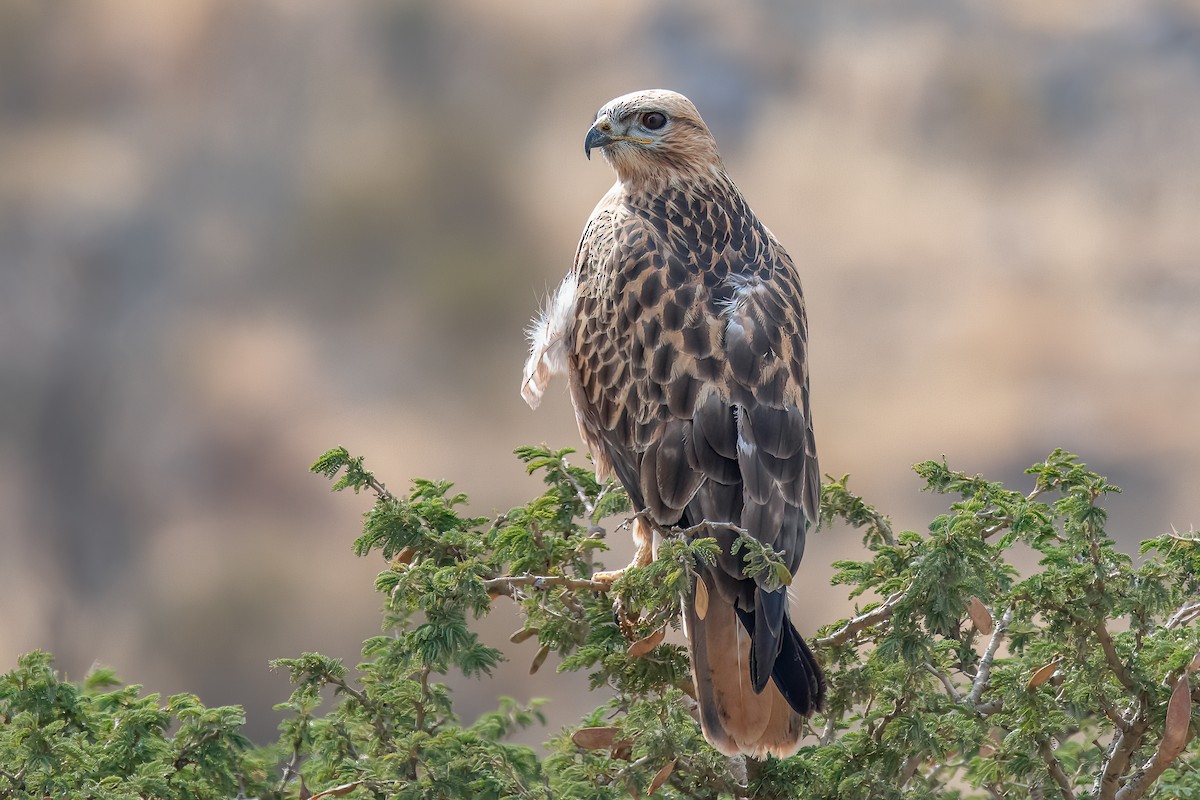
x: 830, y: 729
x: 910, y: 768
x: 1055, y: 769
x: 507, y: 584
x: 380, y: 490
x: 706, y: 526
x: 1173, y: 742
x: 1112, y: 657
x: 946, y: 682
x: 989, y: 708
x: 989, y: 657
x: 1184, y: 616
x: 876, y: 615
x: 1123, y: 746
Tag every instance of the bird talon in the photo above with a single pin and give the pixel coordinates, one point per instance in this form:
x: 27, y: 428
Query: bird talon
x: 608, y: 577
x: 643, y: 556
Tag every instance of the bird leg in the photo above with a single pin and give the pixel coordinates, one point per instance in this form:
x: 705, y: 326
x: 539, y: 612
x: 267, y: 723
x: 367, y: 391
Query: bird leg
x: 643, y: 540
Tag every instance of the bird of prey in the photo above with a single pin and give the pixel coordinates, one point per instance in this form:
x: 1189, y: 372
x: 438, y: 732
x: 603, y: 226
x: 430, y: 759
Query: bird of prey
x: 682, y: 332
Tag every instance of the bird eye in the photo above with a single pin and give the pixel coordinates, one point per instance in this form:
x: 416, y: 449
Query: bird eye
x: 654, y: 120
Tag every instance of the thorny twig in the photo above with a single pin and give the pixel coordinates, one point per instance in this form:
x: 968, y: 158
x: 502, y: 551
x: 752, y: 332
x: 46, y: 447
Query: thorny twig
x: 291, y: 769
x: 380, y: 490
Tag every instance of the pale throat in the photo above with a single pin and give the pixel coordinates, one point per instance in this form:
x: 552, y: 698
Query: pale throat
x: 643, y: 172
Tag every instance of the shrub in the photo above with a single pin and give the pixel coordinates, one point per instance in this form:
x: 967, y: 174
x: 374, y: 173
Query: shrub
x: 961, y: 678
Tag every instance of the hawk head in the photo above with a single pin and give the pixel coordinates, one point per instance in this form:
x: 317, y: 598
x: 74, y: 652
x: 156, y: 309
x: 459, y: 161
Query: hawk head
x: 654, y: 133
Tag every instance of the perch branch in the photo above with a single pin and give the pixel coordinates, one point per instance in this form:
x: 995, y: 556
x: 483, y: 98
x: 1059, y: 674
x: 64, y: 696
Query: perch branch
x: 507, y: 584
x: 860, y: 623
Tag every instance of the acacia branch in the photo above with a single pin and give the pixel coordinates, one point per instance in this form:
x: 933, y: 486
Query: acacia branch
x: 507, y: 584
x: 989, y: 657
x: 706, y: 526
x: 876, y: 615
x: 589, y: 506
x: 1184, y: 616
x: 380, y: 490
x: 830, y: 729
x: 1055, y: 769
x: 989, y: 708
x: 946, y: 682
x: 910, y: 768
x: 1173, y: 742
x: 367, y: 703
x: 1112, y: 657
x: 1003, y: 523
x: 1124, y: 744
x: 291, y: 769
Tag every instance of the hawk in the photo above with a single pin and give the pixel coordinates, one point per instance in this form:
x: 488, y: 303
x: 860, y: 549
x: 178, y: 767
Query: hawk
x: 682, y: 332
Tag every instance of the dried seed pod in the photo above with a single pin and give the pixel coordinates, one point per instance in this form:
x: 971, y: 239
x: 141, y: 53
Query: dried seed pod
x: 522, y: 635
x: 539, y: 659
x: 1043, y: 673
x: 594, y: 738
x: 1179, y: 716
x: 980, y: 615
x: 660, y: 777
x: 701, y: 599
x: 643, y: 646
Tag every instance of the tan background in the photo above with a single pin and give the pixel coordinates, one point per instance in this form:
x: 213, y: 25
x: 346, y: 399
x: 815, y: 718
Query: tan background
x: 234, y: 233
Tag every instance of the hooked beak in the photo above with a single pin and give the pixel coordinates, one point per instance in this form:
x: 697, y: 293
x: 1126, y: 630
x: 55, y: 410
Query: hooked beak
x: 595, y: 138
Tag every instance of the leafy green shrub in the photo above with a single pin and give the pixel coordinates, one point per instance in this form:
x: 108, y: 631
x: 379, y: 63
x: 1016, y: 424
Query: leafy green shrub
x: 101, y: 740
x: 961, y: 678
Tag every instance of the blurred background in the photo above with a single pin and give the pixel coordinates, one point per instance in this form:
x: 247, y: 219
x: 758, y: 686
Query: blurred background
x: 235, y: 233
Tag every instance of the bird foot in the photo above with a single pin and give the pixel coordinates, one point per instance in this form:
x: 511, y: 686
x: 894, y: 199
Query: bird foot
x: 643, y: 555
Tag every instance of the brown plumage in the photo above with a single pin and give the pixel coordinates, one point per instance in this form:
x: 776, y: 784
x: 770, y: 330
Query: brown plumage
x: 682, y: 331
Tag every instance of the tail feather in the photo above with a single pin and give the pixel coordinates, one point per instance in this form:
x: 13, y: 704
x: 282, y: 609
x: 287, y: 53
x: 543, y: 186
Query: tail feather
x: 735, y: 717
x: 794, y: 668
x: 731, y: 712
x: 798, y: 675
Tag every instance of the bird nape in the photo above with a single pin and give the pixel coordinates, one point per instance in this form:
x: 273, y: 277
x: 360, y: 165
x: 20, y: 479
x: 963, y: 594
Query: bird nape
x: 682, y: 331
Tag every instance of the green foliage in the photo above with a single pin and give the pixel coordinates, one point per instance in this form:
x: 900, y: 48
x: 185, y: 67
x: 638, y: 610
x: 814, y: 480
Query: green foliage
x: 63, y: 740
x: 959, y: 677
